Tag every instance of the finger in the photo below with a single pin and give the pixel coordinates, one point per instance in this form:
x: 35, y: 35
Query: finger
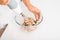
x: 37, y: 15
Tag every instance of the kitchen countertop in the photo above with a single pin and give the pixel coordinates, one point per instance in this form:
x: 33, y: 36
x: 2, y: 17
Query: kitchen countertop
x: 13, y: 31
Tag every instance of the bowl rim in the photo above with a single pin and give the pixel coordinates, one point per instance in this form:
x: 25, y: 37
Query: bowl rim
x: 23, y: 25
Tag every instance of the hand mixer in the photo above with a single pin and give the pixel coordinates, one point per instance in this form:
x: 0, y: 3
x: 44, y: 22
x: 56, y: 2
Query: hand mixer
x: 15, y: 7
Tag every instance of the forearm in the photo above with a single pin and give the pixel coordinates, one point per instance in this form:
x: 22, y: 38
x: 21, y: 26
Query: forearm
x: 27, y: 2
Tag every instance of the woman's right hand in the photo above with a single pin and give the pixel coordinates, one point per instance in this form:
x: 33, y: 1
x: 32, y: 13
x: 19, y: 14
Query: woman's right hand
x: 4, y: 2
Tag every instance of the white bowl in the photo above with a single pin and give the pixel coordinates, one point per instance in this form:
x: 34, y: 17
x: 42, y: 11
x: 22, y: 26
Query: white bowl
x: 19, y: 19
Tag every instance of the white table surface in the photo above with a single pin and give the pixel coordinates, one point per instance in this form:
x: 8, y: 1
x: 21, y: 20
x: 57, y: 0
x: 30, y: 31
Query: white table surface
x: 49, y: 29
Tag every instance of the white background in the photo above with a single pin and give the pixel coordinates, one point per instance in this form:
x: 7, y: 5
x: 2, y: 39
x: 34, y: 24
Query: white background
x: 49, y: 29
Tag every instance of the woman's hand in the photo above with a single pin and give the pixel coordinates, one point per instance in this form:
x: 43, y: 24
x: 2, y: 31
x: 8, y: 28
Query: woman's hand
x: 4, y: 2
x: 35, y: 11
